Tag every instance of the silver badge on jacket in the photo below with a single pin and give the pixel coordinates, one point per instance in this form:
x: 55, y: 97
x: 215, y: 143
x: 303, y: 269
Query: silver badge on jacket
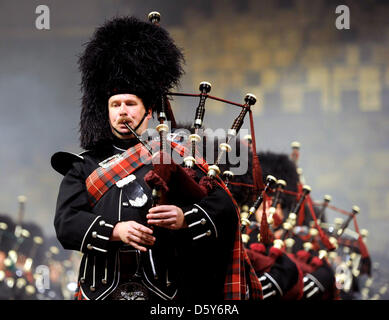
x: 133, y: 191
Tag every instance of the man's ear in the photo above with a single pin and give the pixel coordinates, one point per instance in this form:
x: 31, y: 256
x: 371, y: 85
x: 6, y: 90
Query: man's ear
x: 149, y: 114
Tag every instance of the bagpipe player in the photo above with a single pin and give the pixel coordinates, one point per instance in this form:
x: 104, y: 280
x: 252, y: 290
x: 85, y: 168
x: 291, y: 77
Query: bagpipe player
x: 133, y: 249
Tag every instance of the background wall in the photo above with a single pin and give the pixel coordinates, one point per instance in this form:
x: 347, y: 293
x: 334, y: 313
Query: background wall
x: 324, y: 87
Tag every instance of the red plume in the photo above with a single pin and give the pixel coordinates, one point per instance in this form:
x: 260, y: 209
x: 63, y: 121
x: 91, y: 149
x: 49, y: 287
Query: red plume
x: 257, y: 170
x: 323, y: 237
x: 362, y: 246
x: 267, y: 236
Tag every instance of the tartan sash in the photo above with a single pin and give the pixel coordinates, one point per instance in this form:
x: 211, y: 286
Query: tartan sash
x: 104, y: 177
x: 122, y: 165
x: 240, y: 272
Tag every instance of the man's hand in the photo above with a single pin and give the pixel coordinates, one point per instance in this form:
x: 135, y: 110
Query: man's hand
x: 134, y: 234
x: 166, y: 216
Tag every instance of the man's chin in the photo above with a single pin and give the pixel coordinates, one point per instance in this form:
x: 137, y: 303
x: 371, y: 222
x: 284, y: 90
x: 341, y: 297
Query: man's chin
x: 122, y: 134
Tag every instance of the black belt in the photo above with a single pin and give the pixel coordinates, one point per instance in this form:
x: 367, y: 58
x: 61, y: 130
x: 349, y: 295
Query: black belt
x: 130, y: 283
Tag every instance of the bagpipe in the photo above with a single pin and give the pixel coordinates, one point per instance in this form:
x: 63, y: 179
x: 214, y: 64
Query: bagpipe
x: 328, y: 257
x: 18, y: 274
x: 29, y: 258
x: 351, y: 259
x: 347, y: 255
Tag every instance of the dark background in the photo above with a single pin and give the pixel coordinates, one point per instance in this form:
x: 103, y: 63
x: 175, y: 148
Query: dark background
x: 324, y: 87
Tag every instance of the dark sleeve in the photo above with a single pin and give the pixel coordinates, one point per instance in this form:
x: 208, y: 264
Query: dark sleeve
x: 324, y: 277
x: 284, y: 271
x: 212, y: 218
x: 77, y: 227
x: 205, y: 246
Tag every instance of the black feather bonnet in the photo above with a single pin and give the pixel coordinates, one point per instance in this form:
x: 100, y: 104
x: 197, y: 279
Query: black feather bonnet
x: 124, y: 55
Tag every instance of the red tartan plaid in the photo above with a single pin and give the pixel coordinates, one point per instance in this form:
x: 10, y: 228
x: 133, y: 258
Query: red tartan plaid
x: 184, y: 151
x: 78, y: 294
x: 237, y: 279
x: 240, y: 272
x: 255, y: 285
x: 100, y: 180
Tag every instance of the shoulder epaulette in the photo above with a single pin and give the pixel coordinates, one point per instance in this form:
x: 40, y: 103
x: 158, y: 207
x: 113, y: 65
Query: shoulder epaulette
x: 63, y: 161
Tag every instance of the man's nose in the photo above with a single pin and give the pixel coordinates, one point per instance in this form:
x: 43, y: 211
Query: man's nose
x: 123, y: 109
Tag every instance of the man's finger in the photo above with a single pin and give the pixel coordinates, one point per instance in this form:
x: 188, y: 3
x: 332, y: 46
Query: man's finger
x: 161, y: 208
x: 140, y: 239
x: 164, y: 215
x: 141, y: 235
x: 161, y: 221
x: 144, y: 229
x: 136, y: 246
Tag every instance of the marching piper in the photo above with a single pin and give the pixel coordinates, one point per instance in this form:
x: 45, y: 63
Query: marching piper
x: 7, y: 241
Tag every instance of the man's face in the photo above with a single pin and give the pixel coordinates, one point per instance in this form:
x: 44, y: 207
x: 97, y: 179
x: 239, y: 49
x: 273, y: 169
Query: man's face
x: 258, y: 213
x: 126, y: 108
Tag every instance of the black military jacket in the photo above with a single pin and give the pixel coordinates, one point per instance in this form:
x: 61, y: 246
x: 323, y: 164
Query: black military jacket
x: 190, y: 263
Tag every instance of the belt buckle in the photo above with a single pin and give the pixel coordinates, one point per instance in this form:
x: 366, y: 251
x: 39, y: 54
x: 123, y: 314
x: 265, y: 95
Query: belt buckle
x: 131, y: 291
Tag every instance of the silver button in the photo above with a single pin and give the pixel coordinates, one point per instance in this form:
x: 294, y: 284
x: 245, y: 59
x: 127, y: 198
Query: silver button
x: 94, y: 234
x: 203, y: 221
x: 102, y: 223
x: 89, y: 246
x: 92, y: 288
x: 209, y: 232
x: 104, y: 281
